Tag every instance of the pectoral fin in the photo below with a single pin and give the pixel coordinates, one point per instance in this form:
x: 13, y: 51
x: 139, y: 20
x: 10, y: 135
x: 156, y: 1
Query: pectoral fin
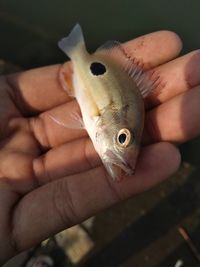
x: 73, y: 121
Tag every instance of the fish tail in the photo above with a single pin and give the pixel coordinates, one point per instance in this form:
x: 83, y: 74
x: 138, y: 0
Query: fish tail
x: 73, y: 42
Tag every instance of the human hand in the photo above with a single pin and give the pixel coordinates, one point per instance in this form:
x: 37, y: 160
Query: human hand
x: 51, y: 177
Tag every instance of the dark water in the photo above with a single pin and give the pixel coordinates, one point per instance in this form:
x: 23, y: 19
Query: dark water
x: 30, y: 29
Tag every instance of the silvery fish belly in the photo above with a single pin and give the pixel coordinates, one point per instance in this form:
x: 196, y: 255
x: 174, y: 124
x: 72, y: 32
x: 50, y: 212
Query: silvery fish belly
x: 109, y: 87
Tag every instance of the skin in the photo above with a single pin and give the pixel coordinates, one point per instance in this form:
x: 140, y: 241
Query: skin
x: 51, y: 177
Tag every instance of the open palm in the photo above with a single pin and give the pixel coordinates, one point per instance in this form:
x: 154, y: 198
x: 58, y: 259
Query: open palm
x: 51, y: 177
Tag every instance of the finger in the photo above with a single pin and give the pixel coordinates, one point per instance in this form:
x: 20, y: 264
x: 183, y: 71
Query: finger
x: 147, y: 46
x: 37, y: 89
x: 71, y: 158
x: 49, y: 133
x: 72, y: 199
x: 176, y: 120
x: 176, y: 77
x: 40, y: 89
x: 16, y: 159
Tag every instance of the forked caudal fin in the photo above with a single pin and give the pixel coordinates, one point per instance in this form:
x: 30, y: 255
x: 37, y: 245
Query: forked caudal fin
x: 73, y: 42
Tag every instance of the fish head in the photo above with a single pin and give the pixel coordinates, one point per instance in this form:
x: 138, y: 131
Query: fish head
x: 118, y: 147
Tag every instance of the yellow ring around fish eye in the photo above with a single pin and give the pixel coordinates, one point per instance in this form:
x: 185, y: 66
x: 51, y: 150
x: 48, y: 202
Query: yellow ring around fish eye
x: 124, y: 137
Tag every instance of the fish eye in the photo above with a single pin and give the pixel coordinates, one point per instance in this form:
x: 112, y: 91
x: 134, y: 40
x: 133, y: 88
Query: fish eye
x: 124, y: 137
x: 97, y: 68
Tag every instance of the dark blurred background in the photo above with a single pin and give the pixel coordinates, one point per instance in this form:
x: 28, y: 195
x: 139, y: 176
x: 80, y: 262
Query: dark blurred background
x: 30, y: 29
x: 141, y: 231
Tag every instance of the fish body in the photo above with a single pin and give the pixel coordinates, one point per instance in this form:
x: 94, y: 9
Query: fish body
x: 106, y: 86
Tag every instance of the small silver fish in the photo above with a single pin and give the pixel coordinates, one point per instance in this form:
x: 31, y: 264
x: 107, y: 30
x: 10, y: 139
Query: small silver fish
x: 109, y: 87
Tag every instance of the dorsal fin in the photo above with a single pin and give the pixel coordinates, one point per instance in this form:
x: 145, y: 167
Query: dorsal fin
x: 133, y: 67
x: 109, y: 45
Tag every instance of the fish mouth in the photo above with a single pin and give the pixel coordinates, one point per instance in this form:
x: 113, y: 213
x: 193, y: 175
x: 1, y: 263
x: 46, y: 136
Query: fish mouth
x: 117, y: 167
x: 118, y: 171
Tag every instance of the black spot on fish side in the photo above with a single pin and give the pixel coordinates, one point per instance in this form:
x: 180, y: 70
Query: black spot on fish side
x: 122, y: 138
x: 97, y: 68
